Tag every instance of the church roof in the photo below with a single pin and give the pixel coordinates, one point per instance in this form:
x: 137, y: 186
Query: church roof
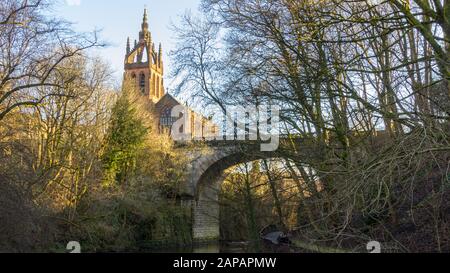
x: 167, y: 101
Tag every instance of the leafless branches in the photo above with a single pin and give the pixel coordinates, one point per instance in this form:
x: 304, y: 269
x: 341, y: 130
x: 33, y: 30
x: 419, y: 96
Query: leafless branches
x: 363, y: 77
x: 32, y: 52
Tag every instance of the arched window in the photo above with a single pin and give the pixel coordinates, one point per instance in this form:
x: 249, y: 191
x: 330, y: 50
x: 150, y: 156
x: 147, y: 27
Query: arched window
x: 142, y: 82
x: 166, y: 118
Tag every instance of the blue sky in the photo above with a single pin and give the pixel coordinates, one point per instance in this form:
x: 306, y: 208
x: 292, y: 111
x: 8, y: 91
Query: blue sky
x: 119, y: 19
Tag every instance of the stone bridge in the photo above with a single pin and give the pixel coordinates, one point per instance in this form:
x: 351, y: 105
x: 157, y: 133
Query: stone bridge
x: 205, y: 174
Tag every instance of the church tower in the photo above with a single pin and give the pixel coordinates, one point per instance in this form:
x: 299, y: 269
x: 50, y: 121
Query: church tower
x: 144, y: 65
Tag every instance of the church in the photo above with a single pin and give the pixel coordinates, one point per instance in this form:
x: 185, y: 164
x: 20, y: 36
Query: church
x: 144, y: 67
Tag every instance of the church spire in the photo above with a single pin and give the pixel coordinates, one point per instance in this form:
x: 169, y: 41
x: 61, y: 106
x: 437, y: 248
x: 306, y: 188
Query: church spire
x: 145, y: 20
x: 128, y: 45
x: 144, y: 34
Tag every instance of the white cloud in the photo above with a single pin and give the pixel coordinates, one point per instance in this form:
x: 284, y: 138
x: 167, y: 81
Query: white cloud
x: 73, y: 2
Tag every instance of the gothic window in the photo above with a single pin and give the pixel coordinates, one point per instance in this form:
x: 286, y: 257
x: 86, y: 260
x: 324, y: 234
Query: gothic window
x: 166, y: 118
x: 142, y: 82
x: 168, y: 112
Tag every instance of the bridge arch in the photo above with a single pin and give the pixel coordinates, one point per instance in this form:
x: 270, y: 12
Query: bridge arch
x: 205, y: 176
x: 206, y: 196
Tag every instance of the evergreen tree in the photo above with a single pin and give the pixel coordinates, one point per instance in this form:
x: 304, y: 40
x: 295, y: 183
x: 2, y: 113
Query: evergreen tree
x: 125, y: 137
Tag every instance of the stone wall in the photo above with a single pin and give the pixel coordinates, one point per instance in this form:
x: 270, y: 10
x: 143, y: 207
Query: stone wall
x: 206, y: 214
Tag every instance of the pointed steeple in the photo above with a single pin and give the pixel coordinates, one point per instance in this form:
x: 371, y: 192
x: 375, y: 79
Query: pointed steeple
x: 144, y: 34
x: 145, y: 20
x: 128, y: 45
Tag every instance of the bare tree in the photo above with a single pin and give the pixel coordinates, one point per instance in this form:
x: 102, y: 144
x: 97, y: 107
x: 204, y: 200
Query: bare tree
x: 32, y: 49
x: 362, y: 78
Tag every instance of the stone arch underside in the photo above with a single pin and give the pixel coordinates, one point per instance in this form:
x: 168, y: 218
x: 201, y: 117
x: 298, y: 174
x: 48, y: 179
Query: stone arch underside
x: 207, y: 173
x: 206, y: 196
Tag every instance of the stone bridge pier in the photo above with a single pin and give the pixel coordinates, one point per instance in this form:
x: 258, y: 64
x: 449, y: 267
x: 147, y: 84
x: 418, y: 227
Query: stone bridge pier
x: 205, y: 175
x: 205, y: 212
